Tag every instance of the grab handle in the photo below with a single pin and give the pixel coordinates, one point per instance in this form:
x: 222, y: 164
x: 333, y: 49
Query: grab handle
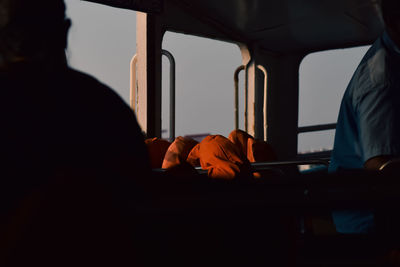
x: 172, y: 79
x: 264, y: 71
x: 236, y: 82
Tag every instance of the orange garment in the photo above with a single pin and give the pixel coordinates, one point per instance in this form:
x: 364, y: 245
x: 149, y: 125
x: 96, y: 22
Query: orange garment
x: 194, y: 156
x: 260, y: 151
x: 255, y: 150
x: 240, y: 139
x: 178, y: 152
x: 157, y: 148
x: 220, y: 157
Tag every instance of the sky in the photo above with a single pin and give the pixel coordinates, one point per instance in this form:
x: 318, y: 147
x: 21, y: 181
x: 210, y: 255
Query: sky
x: 102, y: 41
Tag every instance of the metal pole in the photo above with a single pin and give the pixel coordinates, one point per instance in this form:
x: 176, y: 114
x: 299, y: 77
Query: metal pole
x: 315, y: 128
x: 236, y: 82
x: 246, y: 99
x: 171, y: 94
x: 261, y: 67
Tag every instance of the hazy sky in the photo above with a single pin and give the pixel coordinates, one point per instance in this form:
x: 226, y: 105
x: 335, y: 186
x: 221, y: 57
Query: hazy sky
x: 102, y: 41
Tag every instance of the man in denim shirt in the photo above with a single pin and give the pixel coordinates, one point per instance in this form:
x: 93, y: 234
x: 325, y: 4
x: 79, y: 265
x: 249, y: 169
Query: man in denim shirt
x: 368, y: 128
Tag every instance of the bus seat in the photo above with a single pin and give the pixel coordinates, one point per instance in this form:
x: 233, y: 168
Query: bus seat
x: 220, y: 157
x: 73, y: 219
x: 178, y: 152
x: 157, y: 148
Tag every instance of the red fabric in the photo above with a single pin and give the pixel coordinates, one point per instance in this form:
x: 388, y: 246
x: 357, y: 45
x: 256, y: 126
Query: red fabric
x: 157, y: 148
x: 178, y: 152
x: 220, y: 157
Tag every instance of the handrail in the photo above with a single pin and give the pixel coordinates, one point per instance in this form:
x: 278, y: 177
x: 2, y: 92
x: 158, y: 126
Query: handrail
x: 289, y: 163
x: 315, y: 128
x: 172, y: 92
x: 262, y: 68
x: 236, y: 82
x: 246, y: 100
x: 133, y: 85
x: 261, y: 166
x: 172, y: 79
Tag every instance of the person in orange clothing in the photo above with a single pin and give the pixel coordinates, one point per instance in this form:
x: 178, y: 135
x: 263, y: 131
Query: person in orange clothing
x: 240, y: 139
x: 260, y: 151
x: 255, y: 150
x: 157, y: 148
x: 220, y: 157
x: 178, y: 152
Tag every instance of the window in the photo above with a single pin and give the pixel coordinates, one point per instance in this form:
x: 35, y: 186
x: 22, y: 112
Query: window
x: 204, y: 84
x: 102, y: 43
x: 324, y: 77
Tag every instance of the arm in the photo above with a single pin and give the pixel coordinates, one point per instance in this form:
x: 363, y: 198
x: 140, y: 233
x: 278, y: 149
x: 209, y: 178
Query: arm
x: 379, y: 125
x: 376, y: 163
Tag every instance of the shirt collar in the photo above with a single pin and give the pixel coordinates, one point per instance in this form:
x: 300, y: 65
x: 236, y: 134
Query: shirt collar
x: 390, y: 43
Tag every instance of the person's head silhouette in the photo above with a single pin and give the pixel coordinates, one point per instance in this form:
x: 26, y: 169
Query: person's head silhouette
x: 34, y: 31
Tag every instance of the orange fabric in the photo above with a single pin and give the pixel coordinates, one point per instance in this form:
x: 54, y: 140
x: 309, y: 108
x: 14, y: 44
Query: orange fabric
x: 194, y: 156
x: 178, y: 151
x: 260, y: 151
x: 220, y: 157
x: 255, y: 150
x: 240, y: 139
x: 157, y: 148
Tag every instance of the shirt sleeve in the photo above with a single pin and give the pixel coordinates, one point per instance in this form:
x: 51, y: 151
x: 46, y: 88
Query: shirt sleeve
x: 379, y: 122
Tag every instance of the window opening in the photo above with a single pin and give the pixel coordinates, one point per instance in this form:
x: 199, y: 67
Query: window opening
x: 103, y: 43
x: 204, y: 85
x: 324, y: 77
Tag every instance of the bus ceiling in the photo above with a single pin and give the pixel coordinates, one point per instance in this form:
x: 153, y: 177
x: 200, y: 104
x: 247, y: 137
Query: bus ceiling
x: 276, y: 25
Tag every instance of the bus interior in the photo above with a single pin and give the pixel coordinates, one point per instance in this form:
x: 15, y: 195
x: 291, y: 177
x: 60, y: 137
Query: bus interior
x: 283, y: 220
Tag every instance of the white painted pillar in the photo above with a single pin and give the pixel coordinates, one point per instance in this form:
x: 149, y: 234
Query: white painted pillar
x: 149, y: 35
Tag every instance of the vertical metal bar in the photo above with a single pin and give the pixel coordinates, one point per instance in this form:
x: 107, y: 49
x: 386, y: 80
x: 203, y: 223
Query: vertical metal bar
x: 236, y: 82
x: 246, y: 99
x: 260, y: 67
x: 133, y: 84
x: 171, y: 94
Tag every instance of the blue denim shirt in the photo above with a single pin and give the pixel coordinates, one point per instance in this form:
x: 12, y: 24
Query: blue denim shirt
x: 369, y: 121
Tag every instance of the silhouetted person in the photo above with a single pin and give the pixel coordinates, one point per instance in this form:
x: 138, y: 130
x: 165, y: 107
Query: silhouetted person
x: 72, y: 149
x: 368, y: 128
